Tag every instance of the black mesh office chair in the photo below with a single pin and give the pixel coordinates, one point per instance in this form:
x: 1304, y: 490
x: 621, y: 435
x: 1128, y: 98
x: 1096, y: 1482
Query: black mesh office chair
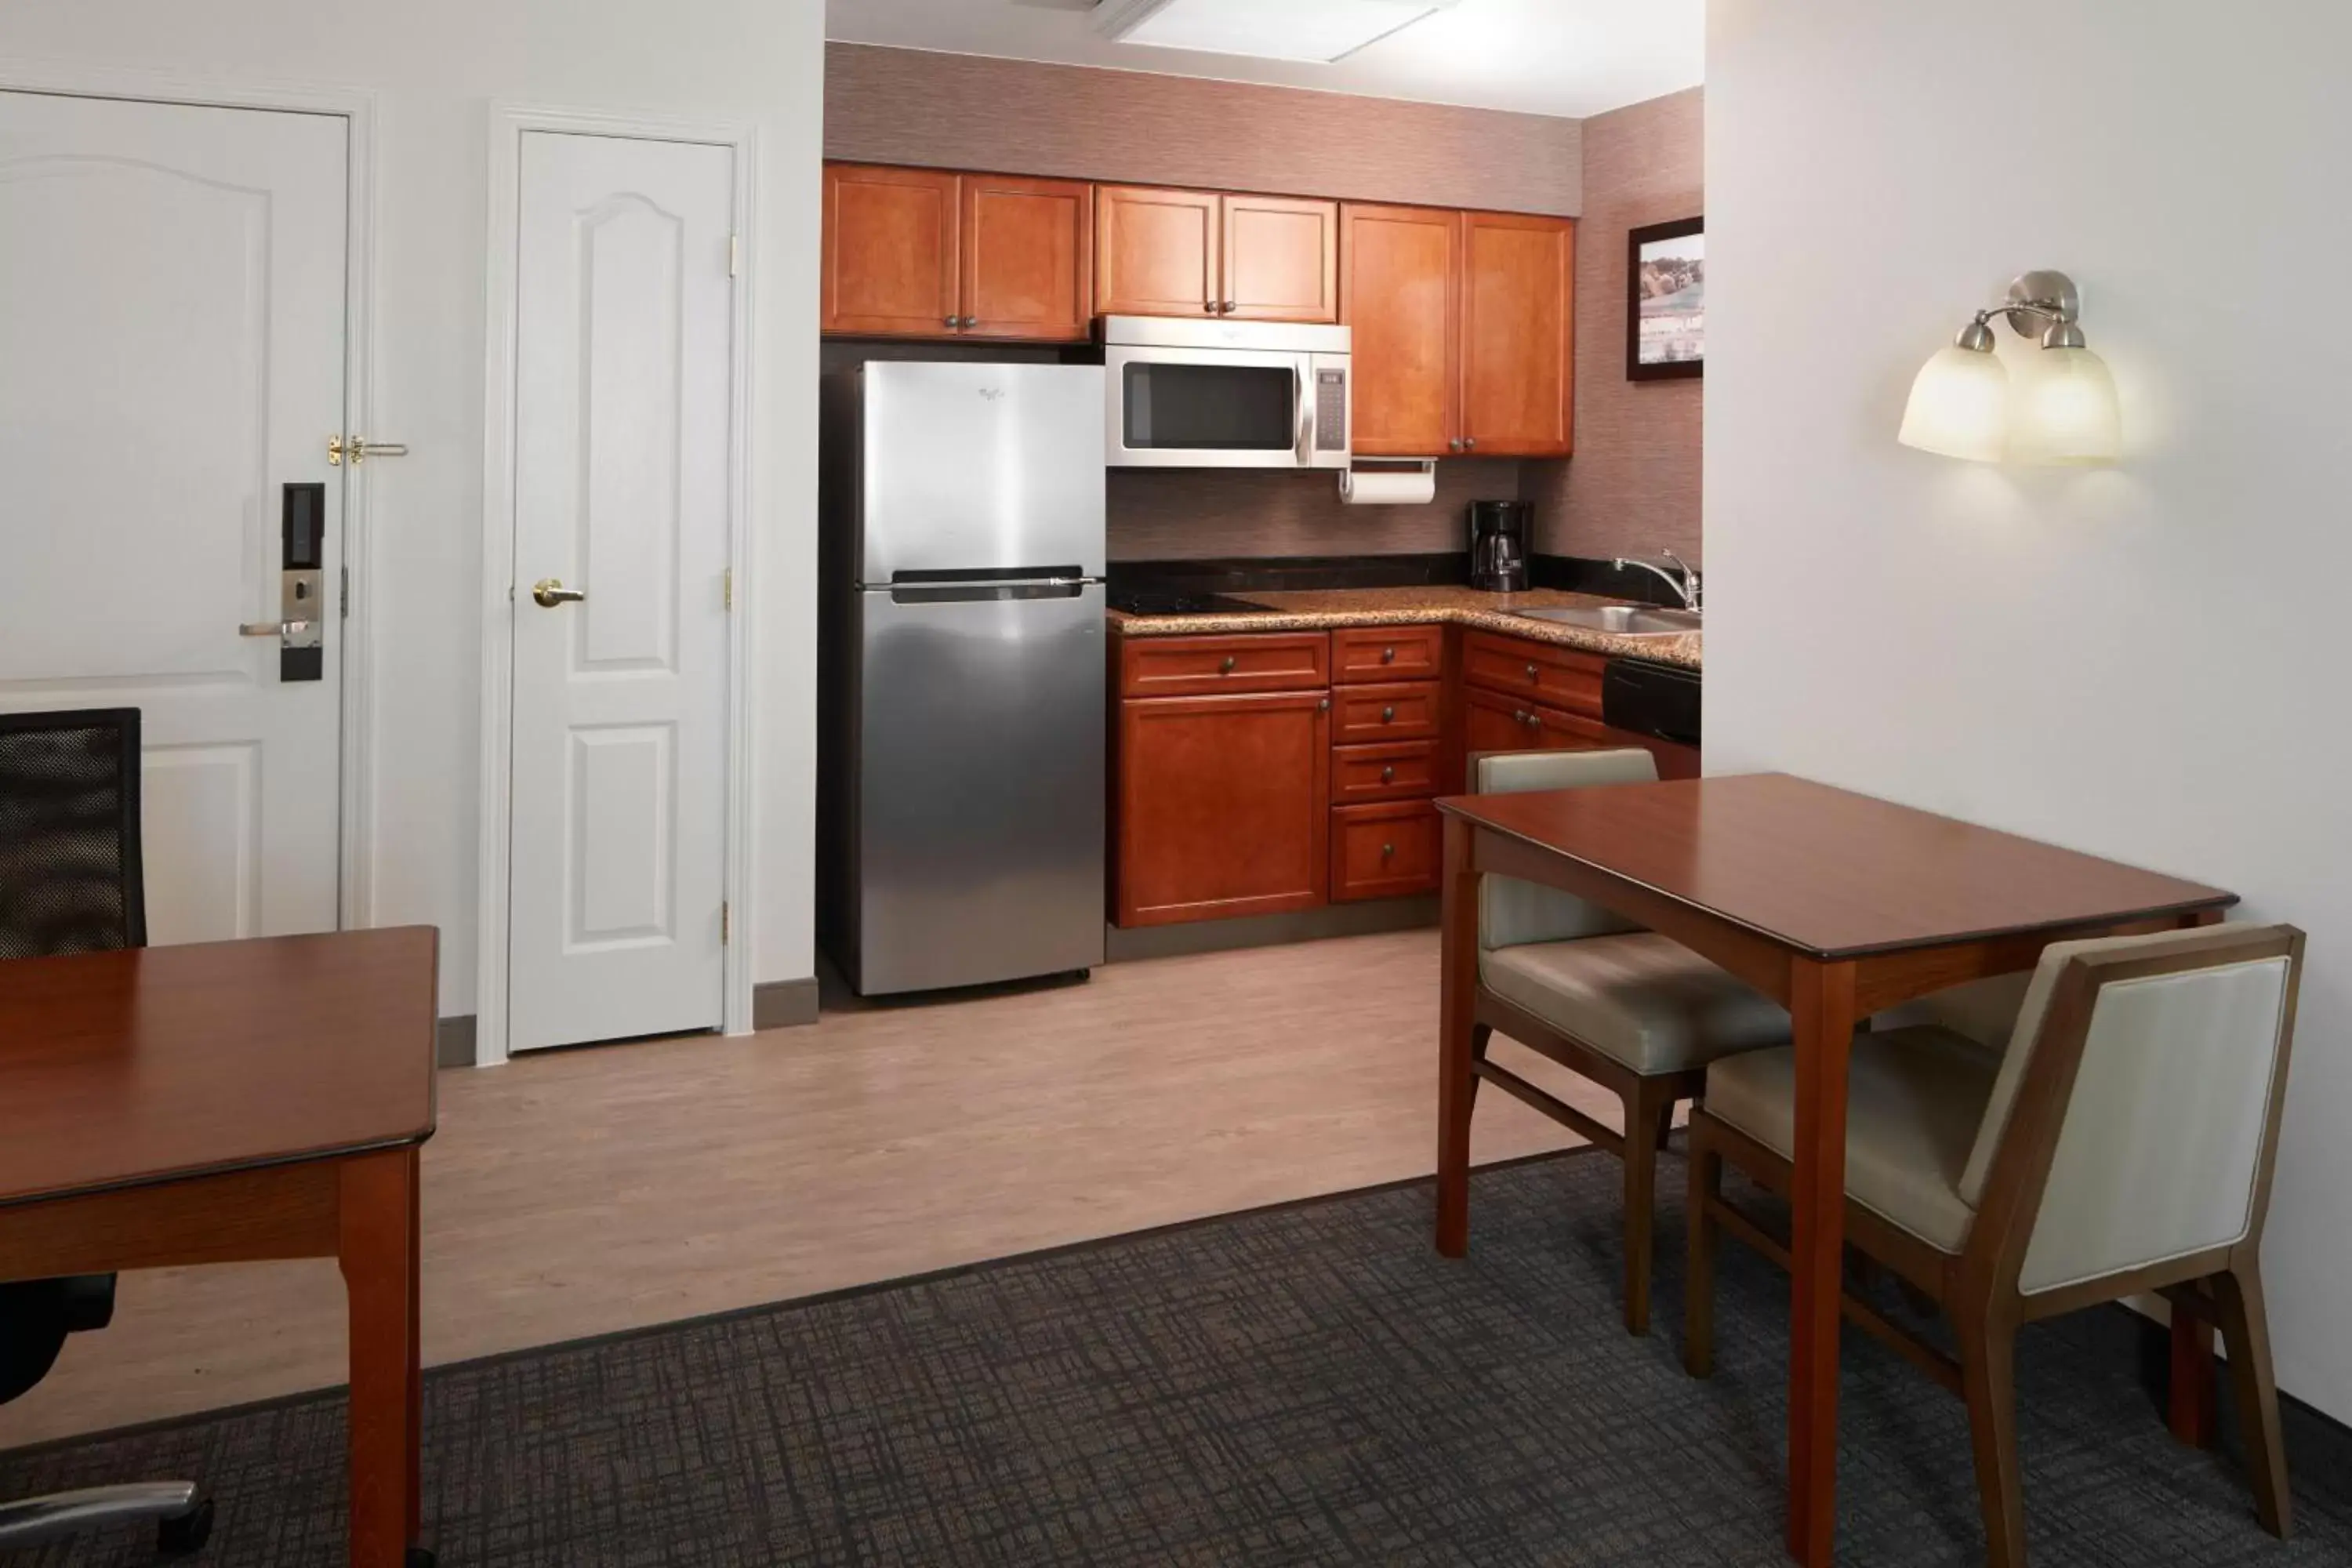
x: 70, y: 882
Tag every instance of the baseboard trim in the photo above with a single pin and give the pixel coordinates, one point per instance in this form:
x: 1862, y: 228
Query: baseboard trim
x: 783, y: 1004
x: 1124, y: 945
x: 452, y: 1047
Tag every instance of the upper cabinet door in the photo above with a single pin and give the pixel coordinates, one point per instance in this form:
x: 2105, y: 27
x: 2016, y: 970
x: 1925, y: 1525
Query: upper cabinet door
x: 889, y: 251
x: 1028, y: 257
x: 1281, y: 259
x: 1518, y: 281
x: 1400, y: 294
x: 1155, y: 252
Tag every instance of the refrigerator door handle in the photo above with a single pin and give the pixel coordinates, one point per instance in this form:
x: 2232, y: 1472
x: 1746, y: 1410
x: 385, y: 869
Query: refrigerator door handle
x: 998, y: 588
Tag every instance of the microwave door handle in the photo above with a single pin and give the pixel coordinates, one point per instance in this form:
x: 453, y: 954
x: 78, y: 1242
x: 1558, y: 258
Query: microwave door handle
x: 1305, y: 402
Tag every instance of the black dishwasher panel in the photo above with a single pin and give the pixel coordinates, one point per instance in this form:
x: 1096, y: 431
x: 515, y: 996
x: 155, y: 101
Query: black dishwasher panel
x: 1656, y: 699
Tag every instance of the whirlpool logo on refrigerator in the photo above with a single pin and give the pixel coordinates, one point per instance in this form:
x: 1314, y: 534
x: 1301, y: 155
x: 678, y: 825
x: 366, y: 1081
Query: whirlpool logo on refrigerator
x: 991, y: 393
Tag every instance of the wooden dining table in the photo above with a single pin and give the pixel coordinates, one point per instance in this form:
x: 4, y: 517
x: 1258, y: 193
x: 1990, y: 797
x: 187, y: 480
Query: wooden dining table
x: 1836, y: 905
x: 234, y: 1102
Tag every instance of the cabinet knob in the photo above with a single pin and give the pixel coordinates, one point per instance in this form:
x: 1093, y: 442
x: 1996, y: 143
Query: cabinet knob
x: 1387, y: 850
x: 1469, y: 443
x: 1227, y: 309
x: 968, y: 322
x: 1388, y: 776
x: 1534, y: 720
x: 1388, y: 715
x: 1533, y: 674
x: 1519, y: 715
x: 1455, y: 445
x: 1324, y: 706
x: 1210, y: 306
x: 951, y: 322
x: 1388, y: 656
x: 1226, y: 665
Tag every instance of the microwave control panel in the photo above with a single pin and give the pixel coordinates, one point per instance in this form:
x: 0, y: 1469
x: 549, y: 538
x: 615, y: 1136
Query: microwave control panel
x: 1330, y: 410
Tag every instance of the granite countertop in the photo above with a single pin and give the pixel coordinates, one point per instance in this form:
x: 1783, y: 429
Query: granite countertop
x: 1318, y: 609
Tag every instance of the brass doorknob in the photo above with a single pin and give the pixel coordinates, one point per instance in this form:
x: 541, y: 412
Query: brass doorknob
x: 550, y: 592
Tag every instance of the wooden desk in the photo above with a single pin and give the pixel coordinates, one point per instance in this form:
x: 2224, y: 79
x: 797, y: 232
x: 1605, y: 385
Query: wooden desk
x: 1837, y: 905
x: 229, y: 1102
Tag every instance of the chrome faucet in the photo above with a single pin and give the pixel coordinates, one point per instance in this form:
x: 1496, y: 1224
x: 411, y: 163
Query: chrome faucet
x: 1684, y: 580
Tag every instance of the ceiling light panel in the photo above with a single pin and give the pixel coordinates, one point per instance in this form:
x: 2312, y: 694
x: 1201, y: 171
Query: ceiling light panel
x: 1318, y: 31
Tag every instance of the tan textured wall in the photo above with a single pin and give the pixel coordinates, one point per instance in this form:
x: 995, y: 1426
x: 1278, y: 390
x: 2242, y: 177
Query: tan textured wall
x: 1633, y: 484
x: 1205, y: 512
x: 969, y: 111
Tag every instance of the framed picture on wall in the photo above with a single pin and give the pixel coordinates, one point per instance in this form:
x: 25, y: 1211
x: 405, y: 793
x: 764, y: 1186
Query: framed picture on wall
x: 1666, y: 301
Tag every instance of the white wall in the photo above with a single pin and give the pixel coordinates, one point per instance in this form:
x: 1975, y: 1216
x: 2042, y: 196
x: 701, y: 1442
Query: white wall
x: 2147, y: 662
x: 434, y: 66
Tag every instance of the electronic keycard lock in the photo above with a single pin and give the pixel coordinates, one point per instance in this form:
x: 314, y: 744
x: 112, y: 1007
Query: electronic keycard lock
x: 302, y: 609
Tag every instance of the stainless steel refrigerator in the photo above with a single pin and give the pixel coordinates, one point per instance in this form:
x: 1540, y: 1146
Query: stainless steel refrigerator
x: 962, y: 802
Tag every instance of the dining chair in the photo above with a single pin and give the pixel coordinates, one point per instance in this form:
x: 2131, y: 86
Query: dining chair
x: 1634, y: 1012
x: 2122, y: 1145
x: 71, y: 881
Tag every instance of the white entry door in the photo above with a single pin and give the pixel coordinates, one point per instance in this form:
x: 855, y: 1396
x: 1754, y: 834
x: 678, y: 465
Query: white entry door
x: 170, y: 361
x: 623, y: 396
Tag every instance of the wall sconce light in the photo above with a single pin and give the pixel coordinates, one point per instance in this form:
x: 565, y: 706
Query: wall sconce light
x: 2063, y: 411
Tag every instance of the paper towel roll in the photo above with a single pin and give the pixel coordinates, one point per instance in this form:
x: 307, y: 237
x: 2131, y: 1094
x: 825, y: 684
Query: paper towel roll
x: 1394, y: 487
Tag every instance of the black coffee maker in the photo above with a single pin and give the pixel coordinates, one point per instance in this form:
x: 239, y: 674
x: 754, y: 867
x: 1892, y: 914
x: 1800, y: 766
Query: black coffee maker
x: 1498, y: 545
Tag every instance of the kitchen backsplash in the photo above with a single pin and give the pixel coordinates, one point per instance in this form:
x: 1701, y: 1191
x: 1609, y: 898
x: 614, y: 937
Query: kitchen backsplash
x: 1171, y: 514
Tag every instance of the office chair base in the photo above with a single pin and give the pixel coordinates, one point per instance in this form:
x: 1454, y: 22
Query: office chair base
x: 182, y: 1522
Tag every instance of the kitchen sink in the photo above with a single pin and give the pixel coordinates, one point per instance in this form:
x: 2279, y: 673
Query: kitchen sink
x: 1625, y: 620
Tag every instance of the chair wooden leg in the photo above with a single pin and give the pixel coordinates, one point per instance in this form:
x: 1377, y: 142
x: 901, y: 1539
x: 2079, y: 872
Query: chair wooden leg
x: 1640, y: 1200
x: 2245, y: 1329
x: 1479, y: 1035
x: 1988, y: 1380
x: 1640, y: 1205
x: 1698, y: 1278
x: 1663, y: 1116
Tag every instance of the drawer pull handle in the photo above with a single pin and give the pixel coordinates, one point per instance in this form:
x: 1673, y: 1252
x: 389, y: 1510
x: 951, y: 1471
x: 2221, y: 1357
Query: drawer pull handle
x: 1388, y: 776
x: 1388, y: 715
x: 1225, y: 666
x: 1519, y: 715
x: 1532, y: 674
x: 1387, y: 850
x: 1388, y: 656
x: 1324, y: 706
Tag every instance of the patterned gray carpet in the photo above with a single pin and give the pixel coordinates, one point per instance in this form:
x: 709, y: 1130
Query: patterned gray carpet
x: 1308, y: 1385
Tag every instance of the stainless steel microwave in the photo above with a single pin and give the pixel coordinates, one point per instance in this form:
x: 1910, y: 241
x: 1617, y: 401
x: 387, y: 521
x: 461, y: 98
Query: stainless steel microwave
x: 1225, y: 395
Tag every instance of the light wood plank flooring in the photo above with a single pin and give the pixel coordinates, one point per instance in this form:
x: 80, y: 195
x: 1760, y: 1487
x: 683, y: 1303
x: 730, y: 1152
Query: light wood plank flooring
x: 587, y: 1190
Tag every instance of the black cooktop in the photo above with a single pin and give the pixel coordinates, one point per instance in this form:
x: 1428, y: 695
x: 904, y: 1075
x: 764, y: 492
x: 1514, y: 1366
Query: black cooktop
x: 1148, y: 602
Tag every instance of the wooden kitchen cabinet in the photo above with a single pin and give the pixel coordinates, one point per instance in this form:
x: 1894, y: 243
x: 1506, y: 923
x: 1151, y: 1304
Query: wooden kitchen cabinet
x: 1517, y: 334
x: 1388, y: 653
x: 1408, y: 711
x: 1199, y: 253
x: 889, y: 251
x: 1156, y: 252
x: 1281, y: 259
x: 1027, y: 257
x: 1498, y: 721
x: 1400, y: 294
x: 1221, y: 806
x: 1540, y: 672
x: 1217, y: 666
x: 1389, y: 851
x: 929, y: 253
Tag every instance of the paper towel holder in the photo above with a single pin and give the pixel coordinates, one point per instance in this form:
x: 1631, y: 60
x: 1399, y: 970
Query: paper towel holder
x: 1417, y: 467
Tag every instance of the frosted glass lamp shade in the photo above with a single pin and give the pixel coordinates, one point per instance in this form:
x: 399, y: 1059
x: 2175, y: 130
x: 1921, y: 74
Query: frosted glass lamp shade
x: 1960, y: 406
x: 2066, y: 410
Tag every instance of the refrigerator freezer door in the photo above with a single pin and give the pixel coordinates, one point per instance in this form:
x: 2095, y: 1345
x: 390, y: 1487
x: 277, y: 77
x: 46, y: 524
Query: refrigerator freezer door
x: 980, y: 469
x: 981, y: 794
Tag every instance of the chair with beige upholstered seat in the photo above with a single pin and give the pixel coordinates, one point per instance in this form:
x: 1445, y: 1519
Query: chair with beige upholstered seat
x: 1634, y: 1012
x: 2121, y: 1144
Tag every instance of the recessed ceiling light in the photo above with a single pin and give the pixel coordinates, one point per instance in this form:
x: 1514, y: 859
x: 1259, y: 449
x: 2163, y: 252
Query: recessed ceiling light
x: 1320, y: 31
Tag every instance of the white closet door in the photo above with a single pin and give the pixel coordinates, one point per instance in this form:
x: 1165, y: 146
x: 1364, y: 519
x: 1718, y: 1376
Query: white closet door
x: 624, y: 326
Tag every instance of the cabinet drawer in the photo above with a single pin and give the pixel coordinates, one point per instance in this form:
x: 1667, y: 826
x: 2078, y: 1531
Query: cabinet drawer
x: 1388, y: 653
x: 1404, y: 771
x: 1384, y: 851
x: 1557, y: 677
x: 1406, y: 711
x: 1493, y: 721
x: 1206, y: 666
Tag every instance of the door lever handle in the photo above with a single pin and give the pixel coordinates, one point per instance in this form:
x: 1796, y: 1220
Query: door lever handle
x: 550, y: 592
x: 272, y: 628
